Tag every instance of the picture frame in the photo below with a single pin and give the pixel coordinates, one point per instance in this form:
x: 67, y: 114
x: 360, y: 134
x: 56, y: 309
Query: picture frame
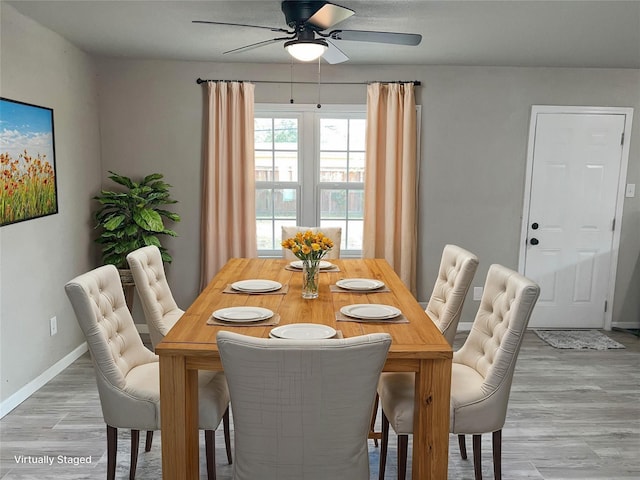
x: 28, y: 184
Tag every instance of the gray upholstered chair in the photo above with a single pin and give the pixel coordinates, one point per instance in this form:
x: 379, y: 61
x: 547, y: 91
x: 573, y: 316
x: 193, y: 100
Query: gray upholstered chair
x: 334, y: 233
x: 457, y: 268
x: 127, y: 372
x: 481, y: 374
x: 302, y: 408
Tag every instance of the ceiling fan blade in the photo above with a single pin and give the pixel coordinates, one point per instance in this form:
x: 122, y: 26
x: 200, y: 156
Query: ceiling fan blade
x: 329, y: 15
x: 334, y: 55
x: 377, y: 37
x: 258, y: 44
x: 273, y: 29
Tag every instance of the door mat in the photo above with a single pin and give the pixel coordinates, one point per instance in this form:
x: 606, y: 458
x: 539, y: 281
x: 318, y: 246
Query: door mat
x: 578, y: 339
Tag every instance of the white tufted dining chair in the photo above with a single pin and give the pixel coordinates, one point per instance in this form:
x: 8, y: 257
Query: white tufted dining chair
x: 481, y: 375
x: 127, y: 372
x: 160, y: 309
x: 457, y: 268
x: 334, y: 233
x: 302, y: 407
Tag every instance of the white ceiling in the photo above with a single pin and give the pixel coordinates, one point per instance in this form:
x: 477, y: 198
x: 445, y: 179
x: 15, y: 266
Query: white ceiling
x: 500, y: 33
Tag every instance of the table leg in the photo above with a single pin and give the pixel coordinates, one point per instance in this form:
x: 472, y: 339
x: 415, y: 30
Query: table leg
x: 431, y: 420
x: 179, y: 419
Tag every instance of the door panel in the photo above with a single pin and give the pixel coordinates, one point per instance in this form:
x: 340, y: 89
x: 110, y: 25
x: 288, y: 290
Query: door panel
x: 574, y: 185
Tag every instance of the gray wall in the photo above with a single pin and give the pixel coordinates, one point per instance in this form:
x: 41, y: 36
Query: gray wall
x: 39, y: 256
x: 474, y: 137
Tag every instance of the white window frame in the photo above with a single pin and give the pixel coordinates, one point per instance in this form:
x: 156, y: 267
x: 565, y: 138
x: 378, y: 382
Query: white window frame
x: 309, y: 115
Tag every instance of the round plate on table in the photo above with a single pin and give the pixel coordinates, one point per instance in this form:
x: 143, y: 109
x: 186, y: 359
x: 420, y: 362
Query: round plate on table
x: 303, y: 331
x: 370, y: 311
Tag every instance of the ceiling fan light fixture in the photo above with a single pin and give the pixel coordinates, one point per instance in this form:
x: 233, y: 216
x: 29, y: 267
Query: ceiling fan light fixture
x: 306, y: 50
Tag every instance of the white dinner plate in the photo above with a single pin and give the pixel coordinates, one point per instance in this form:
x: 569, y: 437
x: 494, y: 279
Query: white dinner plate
x: 324, y: 265
x: 360, y: 284
x: 256, y: 285
x: 242, y: 314
x: 303, y: 331
x: 370, y: 311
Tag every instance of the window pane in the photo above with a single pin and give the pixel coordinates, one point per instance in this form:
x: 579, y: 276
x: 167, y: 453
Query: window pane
x: 285, y: 133
x: 353, y: 238
x: 356, y: 167
x: 333, y: 167
x: 264, y: 230
x: 357, y: 128
x: 264, y: 203
x: 356, y: 204
x: 333, y: 133
x: 264, y: 166
x: 333, y: 204
x: 284, y: 203
x: 263, y: 133
x: 286, y: 166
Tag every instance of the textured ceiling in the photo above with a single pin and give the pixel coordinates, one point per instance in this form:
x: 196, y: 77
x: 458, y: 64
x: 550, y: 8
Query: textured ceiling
x: 502, y: 33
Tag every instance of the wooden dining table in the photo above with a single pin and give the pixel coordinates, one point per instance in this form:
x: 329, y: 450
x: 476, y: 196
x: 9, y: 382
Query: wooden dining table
x: 417, y: 346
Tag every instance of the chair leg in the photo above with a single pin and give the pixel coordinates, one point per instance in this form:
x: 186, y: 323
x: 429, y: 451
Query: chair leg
x: 403, y: 443
x: 135, y: 441
x: 227, y: 435
x: 384, y: 443
x: 210, y: 449
x: 497, y: 454
x: 148, y: 441
x: 463, y: 446
x: 112, y: 448
x: 477, y: 456
x: 374, y: 414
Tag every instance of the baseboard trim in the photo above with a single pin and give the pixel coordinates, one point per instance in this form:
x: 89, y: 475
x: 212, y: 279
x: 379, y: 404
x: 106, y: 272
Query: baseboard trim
x: 626, y: 325
x: 142, y: 328
x: 33, y: 386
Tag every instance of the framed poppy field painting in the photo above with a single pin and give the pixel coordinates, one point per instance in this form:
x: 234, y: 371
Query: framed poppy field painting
x: 27, y: 162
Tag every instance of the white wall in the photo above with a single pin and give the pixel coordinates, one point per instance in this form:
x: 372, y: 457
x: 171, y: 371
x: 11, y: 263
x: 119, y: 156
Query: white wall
x: 474, y: 138
x: 39, y: 256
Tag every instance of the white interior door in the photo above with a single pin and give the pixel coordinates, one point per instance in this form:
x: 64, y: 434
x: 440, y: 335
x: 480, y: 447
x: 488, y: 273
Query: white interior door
x: 574, y: 182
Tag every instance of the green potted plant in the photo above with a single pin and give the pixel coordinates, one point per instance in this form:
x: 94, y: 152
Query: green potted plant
x: 133, y: 217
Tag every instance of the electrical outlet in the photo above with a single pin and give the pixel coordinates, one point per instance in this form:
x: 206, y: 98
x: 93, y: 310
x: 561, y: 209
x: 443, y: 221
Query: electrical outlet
x: 53, y: 326
x: 477, y: 293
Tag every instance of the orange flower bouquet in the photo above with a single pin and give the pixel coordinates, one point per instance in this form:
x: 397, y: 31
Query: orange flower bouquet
x: 310, y: 248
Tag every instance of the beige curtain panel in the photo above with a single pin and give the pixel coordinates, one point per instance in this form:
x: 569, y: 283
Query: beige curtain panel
x: 228, y: 222
x: 390, y: 187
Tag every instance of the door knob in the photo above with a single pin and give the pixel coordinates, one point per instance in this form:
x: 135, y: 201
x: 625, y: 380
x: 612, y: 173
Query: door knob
x: 534, y: 241
x: 534, y: 226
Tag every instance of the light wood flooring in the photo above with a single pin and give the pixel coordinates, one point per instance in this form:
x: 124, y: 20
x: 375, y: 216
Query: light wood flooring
x: 573, y: 414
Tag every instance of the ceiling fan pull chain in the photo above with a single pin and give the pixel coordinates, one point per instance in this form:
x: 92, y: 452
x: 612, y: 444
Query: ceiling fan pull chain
x: 319, y: 105
x: 291, y: 83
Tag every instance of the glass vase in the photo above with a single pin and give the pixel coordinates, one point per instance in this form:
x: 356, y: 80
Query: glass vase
x: 310, y: 277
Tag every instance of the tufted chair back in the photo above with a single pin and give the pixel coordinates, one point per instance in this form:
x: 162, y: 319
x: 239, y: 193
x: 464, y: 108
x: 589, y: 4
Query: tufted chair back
x: 483, y: 367
x: 481, y: 373
x: 126, y: 371
x: 334, y: 233
x: 160, y: 309
x: 457, y: 268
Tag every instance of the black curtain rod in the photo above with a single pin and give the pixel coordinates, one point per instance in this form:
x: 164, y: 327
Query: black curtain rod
x: 417, y: 83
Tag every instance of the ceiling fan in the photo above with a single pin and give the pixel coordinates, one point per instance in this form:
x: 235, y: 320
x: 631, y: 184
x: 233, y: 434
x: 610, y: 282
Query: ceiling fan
x: 307, y: 39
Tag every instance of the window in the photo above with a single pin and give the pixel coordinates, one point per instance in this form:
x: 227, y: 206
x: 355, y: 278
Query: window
x: 309, y: 171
